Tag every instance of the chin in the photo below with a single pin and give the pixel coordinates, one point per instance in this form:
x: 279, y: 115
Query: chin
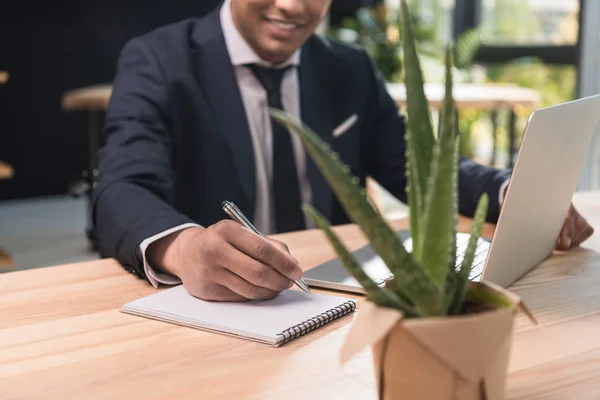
x: 276, y: 53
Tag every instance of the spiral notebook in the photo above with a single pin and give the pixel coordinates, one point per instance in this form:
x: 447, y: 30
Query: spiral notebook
x: 277, y: 321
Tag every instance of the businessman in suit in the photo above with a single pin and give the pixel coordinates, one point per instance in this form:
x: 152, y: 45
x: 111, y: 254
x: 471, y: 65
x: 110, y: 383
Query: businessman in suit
x: 187, y: 127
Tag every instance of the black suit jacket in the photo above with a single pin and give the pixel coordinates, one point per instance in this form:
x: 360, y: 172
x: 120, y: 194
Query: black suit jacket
x: 178, y: 142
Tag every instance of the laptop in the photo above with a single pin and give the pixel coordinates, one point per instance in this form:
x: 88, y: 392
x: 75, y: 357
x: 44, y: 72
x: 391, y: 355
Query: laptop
x: 554, y: 147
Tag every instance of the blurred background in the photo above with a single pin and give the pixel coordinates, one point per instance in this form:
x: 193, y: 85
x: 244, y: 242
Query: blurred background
x: 512, y: 56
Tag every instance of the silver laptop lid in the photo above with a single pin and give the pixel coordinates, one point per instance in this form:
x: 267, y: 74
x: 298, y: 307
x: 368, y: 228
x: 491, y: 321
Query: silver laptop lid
x: 545, y: 176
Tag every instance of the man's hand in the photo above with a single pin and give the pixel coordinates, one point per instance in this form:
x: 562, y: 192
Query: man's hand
x: 226, y: 262
x: 574, y: 232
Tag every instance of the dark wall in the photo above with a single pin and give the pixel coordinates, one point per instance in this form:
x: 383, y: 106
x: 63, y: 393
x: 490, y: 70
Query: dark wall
x: 49, y: 47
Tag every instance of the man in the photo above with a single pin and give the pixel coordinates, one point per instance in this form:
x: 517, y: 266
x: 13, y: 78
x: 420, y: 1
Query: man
x: 187, y: 127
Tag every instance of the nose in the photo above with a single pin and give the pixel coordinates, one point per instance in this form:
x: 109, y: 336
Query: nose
x: 291, y: 7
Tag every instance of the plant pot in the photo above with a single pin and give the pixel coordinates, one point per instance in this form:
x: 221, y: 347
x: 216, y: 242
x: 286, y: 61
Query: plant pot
x: 443, y: 358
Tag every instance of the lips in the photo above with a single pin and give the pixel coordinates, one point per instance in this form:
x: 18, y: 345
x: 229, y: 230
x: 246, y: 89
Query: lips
x: 284, y: 25
x: 283, y: 30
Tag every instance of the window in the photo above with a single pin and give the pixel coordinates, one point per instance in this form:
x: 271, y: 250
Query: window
x: 529, y: 22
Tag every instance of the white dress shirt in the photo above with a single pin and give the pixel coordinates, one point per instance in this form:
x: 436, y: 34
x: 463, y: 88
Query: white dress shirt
x: 254, y: 98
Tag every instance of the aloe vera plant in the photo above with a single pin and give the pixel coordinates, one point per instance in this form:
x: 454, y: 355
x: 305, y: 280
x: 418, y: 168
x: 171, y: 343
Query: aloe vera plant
x: 426, y: 281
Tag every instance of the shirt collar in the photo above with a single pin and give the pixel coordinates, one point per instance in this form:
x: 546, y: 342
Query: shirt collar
x: 239, y: 50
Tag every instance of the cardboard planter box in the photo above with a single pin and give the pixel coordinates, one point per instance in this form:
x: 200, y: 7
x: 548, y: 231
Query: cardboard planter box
x: 443, y: 358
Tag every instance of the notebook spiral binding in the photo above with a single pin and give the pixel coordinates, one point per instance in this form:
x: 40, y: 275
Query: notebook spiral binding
x: 315, y: 322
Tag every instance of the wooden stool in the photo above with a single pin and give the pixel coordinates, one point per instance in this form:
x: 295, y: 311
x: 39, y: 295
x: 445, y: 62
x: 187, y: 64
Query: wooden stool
x: 93, y: 100
x: 6, y: 172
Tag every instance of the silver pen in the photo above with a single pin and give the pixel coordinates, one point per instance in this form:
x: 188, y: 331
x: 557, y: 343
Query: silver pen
x: 236, y: 214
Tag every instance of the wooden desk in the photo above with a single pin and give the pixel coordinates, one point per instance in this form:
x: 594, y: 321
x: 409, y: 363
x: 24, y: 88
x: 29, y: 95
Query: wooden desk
x: 62, y: 336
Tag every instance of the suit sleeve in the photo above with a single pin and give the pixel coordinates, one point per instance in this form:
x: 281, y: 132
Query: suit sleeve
x: 387, y: 160
x: 134, y: 195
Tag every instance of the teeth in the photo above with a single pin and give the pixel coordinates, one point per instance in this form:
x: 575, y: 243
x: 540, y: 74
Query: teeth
x: 284, y: 25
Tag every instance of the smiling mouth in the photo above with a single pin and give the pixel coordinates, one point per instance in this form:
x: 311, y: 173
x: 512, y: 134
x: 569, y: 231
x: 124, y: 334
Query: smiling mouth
x: 288, y: 26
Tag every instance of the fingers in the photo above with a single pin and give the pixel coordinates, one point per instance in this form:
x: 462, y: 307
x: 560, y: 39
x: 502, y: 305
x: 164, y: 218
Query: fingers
x: 260, y: 249
x: 574, y: 232
x: 227, y: 286
x: 283, y: 247
x: 214, y: 292
x: 567, y: 233
x: 253, y: 271
x: 584, y: 234
x: 583, y: 230
x: 244, y: 288
x: 231, y: 263
x: 280, y: 245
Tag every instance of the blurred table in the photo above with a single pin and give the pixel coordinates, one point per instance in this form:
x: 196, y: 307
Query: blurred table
x: 483, y: 97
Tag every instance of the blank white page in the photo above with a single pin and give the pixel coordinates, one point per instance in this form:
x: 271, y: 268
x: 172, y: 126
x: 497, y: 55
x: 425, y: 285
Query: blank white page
x: 258, y: 320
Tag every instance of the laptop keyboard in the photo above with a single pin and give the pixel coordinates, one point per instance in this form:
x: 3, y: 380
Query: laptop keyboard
x: 481, y: 252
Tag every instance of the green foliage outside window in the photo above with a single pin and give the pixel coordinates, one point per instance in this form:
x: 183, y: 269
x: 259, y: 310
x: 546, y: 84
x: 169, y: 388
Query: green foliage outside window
x: 379, y: 31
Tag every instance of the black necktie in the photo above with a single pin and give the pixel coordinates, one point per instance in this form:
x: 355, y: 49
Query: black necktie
x: 286, y: 190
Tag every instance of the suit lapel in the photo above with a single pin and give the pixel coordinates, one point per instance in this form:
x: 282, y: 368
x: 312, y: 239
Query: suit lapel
x: 316, y: 107
x: 218, y: 81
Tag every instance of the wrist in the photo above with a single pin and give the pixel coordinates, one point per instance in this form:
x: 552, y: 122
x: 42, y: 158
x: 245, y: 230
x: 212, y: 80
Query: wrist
x: 165, y: 254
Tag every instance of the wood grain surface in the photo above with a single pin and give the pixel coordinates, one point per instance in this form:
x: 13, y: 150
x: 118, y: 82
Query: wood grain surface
x: 62, y: 336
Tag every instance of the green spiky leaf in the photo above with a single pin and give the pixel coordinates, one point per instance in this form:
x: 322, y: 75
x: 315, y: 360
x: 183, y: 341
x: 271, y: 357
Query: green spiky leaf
x: 451, y: 289
x: 412, y: 281
x: 488, y: 298
x: 415, y: 196
x: 439, y: 221
x: 465, y: 268
x: 417, y: 107
x: 382, y: 296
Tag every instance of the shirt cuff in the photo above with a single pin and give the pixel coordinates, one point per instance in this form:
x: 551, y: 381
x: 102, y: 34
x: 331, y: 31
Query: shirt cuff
x: 157, y: 277
x: 502, y: 189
